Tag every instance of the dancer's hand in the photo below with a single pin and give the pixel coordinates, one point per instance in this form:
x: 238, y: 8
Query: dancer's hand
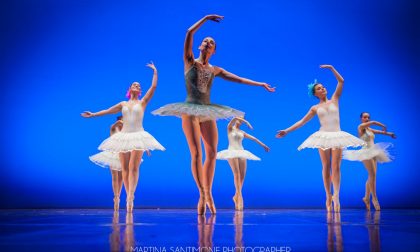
x: 268, y: 87
x: 392, y: 134
x: 326, y: 66
x: 215, y: 18
x: 281, y: 133
x: 87, y: 114
x: 266, y: 148
x: 152, y: 66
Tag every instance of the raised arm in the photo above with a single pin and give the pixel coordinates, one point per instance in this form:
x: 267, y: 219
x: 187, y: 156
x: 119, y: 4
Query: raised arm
x: 188, y: 53
x: 340, y: 81
x: 152, y: 88
x: 266, y: 148
x: 112, y: 110
x: 234, y: 78
x: 311, y: 113
x: 232, y: 122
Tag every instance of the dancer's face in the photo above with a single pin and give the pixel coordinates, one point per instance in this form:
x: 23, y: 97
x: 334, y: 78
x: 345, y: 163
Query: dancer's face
x: 208, y: 45
x: 365, y: 118
x: 135, y: 88
x: 320, y: 91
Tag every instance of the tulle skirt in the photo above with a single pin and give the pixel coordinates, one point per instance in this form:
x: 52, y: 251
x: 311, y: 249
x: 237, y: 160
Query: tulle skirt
x: 204, y: 112
x: 227, y: 154
x: 378, y: 151
x: 128, y: 141
x: 331, y: 140
x: 107, y: 159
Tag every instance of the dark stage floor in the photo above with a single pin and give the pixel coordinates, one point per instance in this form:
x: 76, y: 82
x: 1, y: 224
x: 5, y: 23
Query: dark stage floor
x: 183, y: 231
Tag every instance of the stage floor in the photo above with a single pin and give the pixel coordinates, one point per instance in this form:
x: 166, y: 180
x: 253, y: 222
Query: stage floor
x: 183, y: 231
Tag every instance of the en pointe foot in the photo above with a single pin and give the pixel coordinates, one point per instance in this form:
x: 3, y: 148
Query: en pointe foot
x: 328, y: 203
x: 130, y: 204
x: 201, y: 206
x: 210, y: 203
x: 336, y: 202
x: 367, y: 203
x: 116, y: 203
x: 376, y: 204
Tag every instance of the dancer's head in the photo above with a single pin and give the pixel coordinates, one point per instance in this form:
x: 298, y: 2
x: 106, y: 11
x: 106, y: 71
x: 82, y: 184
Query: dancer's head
x: 133, y: 89
x: 119, y: 118
x: 208, y: 46
x: 238, y: 123
x: 365, y: 117
x: 316, y: 89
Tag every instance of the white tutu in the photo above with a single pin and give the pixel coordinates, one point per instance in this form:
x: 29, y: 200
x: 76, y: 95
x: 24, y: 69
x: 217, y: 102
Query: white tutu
x: 378, y: 151
x: 107, y: 159
x: 128, y: 141
x: 227, y: 154
x: 204, y: 112
x: 331, y: 140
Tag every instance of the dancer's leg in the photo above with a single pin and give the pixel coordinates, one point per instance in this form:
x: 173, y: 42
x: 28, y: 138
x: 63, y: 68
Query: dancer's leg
x: 336, y: 155
x: 116, y: 187
x: 125, y: 160
x: 210, y: 137
x: 325, y: 156
x: 234, y: 165
x: 369, y: 168
x: 242, y: 171
x: 133, y: 177
x: 191, y: 128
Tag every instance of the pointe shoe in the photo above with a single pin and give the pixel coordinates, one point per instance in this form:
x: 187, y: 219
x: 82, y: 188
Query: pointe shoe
x: 367, y: 203
x: 210, y: 203
x: 328, y: 203
x: 116, y: 203
x: 336, y: 202
x: 376, y: 204
x: 201, y: 206
x: 130, y: 204
x: 240, y: 205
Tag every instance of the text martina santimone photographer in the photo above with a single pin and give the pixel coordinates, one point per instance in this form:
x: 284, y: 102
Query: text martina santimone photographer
x: 212, y: 249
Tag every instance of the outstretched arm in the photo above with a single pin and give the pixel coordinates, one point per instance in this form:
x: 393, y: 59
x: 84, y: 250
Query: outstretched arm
x: 383, y: 132
x: 370, y: 123
x: 152, y: 88
x: 234, y: 78
x: 188, y: 53
x: 340, y: 81
x: 112, y: 110
x: 311, y: 113
x: 232, y: 122
x: 266, y: 148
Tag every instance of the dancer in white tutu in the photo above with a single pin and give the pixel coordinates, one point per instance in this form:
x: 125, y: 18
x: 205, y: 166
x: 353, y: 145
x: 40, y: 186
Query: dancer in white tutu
x: 329, y: 140
x: 370, y: 155
x: 198, y: 114
x: 132, y: 140
x: 237, y: 156
x: 112, y: 160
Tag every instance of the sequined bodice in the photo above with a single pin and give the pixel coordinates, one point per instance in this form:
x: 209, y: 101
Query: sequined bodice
x: 198, y: 81
x: 368, y: 136
x: 329, y: 118
x: 235, y: 137
x: 133, y: 118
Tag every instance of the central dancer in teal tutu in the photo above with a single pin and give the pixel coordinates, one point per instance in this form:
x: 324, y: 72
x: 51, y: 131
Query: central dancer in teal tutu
x: 198, y: 114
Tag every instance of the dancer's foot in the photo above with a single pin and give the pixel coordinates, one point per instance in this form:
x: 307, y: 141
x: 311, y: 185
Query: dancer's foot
x: 130, y: 204
x: 235, y: 200
x: 240, y: 205
x: 367, y: 203
x: 376, y: 204
x: 328, y: 203
x: 116, y: 203
x: 201, y: 206
x: 210, y: 202
x: 336, y: 202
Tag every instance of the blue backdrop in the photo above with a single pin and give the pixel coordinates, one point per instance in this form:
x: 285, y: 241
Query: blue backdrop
x: 59, y: 58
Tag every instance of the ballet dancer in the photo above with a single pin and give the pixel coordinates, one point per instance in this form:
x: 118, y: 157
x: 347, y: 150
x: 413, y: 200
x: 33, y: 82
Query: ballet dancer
x: 132, y: 140
x: 329, y: 140
x: 370, y: 155
x: 237, y: 156
x: 198, y: 114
